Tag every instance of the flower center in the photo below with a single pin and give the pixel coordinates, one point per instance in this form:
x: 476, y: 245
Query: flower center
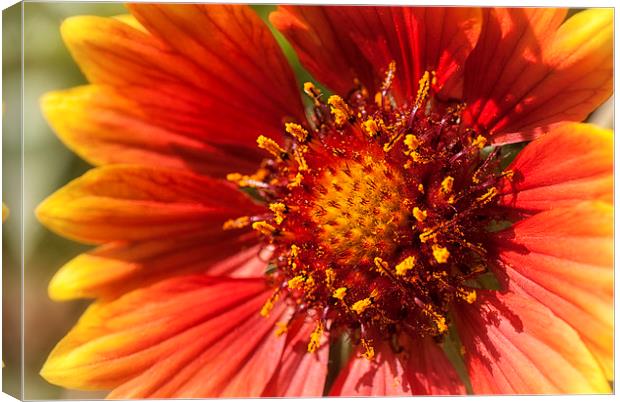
x: 379, y: 213
x: 359, y: 211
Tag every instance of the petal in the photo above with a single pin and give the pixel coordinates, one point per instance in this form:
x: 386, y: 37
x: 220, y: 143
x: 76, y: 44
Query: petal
x: 571, y: 164
x: 125, y: 203
x: 117, y: 268
x: 191, y: 336
x: 527, y: 71
x: 230, y: 98
x: 330, y: 41
x: 105, y: 127
x: 300, y: 374
x: 422, y: 369
x: 515, y: 345
x: 564, y: 259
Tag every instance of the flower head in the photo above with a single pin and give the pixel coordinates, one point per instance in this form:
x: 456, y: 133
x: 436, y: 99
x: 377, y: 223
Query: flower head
x: 242, y: 240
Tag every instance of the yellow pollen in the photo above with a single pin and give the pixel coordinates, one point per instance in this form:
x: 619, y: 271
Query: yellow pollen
x: 296, y: 181
x: 268, y: 306
x: 296, y: 131
x: 310, y: 282
x: 369, y: 351
x: 264, y: 228
x: 339, y: 109
x: 405, y: 265
x: 315, y: 338
x: 247, y: 181
x: 423, y: 89
x: 469, y: 295
x: 419, y: 214
x: 361, y: 305
x: 282, y: 328
x: 381, y: 264
x: 427, y: 235
x: 447, y: 183
x: 421, y: 188
x: 379, y: 99
x: 340, y: 293
x: 438, y: 319
x: 488, y: 196
x: 313, y: 92
x: 371, y: 127
x: 299, y: 158
x: 294, y: 251
x: 479, y: 142
x: 279, y: 211
x: 508, y: 174
x: 330, y: 277
x: 296, y: 283
x: 412, y: 142
x: 236, y: 223
x: 440, y: 253
x: 270, y: 146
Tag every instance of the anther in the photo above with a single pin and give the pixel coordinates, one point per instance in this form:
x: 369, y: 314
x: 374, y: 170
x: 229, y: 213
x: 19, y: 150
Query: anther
x: 279, y: 211
x: 440, y: 253
x: 297, y: 131
x: 369, y: 351
x: 315, y: 338
x: 264, y: 228
x: 372, y: 128
x: 340, y: 293
x: 296, y: 282
x: 447, y: 183
x: 340, y: 110
x: 419, y: 214
x: 488, y: 196
x: 405, y: 266
x: 313, y: 92
x: 236, y: 223
x: 271, y: 146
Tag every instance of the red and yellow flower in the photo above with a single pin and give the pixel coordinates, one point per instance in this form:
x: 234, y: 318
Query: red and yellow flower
x: 241, y: 238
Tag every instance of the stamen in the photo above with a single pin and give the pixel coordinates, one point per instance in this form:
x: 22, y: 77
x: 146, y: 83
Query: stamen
x: 315, y: 337
x: 419, y: 214
x: 405, y: 266
x: 268, y: 306
x: 238, y: 223
x: 264, y: 228
x: 313, y: 92
x: 271, y: 146
x: 297, y: 282
x: 361, y: 305
x: 369, y: 351
x: 340, y: 293
x: 296, y: 131
x: 279, y: 210
x: 281, y: 328
x: 440, y: 253
x: 340, y: 110
x: 372, y: 128
x: 488, y: 196
x: 447, y: 183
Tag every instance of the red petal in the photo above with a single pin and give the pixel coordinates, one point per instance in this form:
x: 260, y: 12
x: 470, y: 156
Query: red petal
x: 422, y: 369
x: 300, y: 374
x: 515, y: 345
x: 190, y: 336
x: 331, y: 41
x: 571, y: 164
x: 105, y: 127
x: 118, y: 268
x: 564, y: 259
x: 222, y: 86
x: 128, y: 203
x: 528, y: 71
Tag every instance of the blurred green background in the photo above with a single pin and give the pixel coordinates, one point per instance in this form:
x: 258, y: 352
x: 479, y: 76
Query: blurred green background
x: 48, y: 165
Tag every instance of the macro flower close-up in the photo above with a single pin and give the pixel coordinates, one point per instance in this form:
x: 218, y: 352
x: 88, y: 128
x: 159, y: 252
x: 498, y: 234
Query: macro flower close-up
x: 429, y: 214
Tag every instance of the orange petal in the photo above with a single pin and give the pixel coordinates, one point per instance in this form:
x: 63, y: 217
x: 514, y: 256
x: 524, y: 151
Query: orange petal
x: 422, y: 369
x: 105, y: 127
x: 528, y: 71
x: 339, y: 44
x: 515, y: 345
x: 117, y: 268
x: 118, y: 203
x: 564, y: 259
x: 300, y: 373
x: 191, y: 336
x: 571, y: 164
x: 244, y: 88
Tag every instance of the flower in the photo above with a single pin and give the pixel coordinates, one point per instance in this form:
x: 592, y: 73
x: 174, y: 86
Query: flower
x: 240, y: 243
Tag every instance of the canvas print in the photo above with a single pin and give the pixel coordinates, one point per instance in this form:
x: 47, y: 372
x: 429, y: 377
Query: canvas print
x: 305, y: 200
